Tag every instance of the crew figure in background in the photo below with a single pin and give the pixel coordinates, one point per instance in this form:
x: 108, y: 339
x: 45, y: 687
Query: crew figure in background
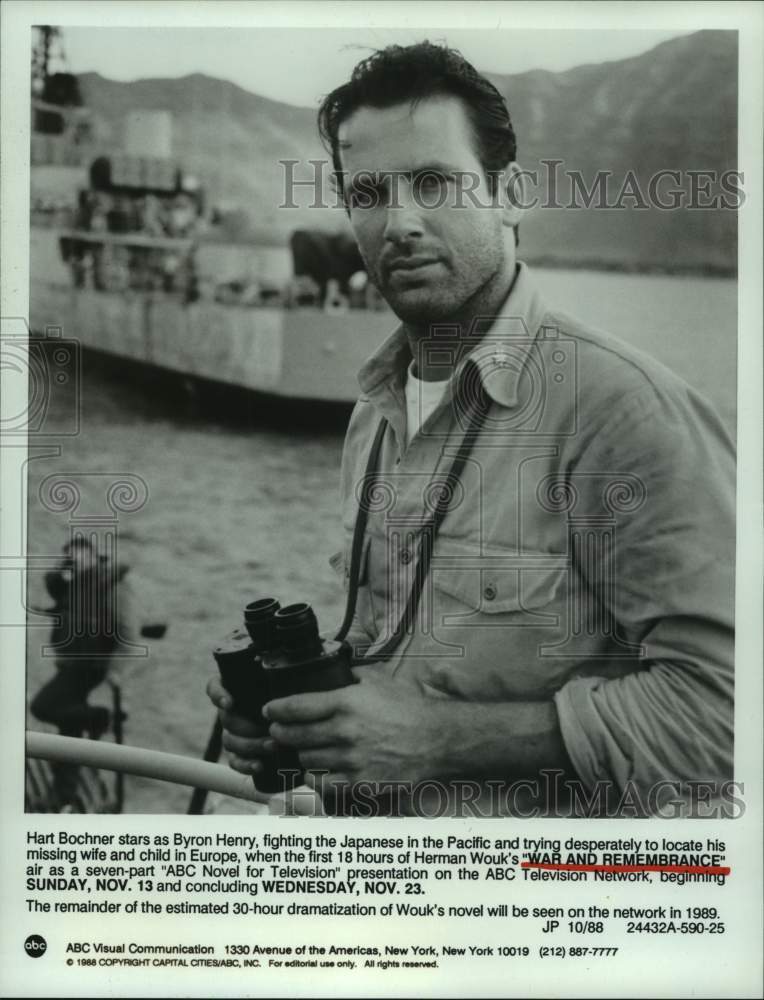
x: 92, y: 602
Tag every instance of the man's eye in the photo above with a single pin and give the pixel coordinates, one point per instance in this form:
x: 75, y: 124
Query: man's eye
x: 429, y: 182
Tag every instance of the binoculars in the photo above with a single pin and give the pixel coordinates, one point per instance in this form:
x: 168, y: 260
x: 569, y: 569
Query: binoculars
x: 279, y: 652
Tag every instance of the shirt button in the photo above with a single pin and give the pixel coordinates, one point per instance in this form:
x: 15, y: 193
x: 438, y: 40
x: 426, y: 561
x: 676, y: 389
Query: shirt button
x: 490, y: 592
x: 406, y: 556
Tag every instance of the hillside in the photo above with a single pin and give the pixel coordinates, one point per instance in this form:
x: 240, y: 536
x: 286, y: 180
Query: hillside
x: 672, y: 108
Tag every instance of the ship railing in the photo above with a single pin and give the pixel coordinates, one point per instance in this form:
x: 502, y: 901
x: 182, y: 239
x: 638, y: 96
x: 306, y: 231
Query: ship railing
x: 162, y: 766
x: 113, y: 262
x: 64, y: 788
x: 138, y: 240
x: 69, y: 112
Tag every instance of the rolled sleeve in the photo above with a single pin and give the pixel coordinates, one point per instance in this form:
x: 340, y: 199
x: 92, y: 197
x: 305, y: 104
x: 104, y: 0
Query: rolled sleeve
x: 673, y: 565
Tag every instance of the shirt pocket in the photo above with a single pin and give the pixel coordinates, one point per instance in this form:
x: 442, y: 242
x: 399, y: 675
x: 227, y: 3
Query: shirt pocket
x: 492, y: 613
x: 495, y: 582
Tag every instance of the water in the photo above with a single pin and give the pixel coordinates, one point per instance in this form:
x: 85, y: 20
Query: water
x: 240, y: 509
x: 690, y: 324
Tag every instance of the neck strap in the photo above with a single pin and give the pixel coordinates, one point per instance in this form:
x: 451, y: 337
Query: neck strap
x: 477, y: 411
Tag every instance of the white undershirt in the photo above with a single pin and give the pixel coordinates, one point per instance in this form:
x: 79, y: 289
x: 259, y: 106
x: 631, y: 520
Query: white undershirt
x: 421, y: 399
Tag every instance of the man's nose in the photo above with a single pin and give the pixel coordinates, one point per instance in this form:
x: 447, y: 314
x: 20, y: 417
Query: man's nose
x: 404, y: 218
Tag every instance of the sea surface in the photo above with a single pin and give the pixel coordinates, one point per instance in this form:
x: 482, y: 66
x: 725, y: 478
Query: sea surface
x: 242, y: 501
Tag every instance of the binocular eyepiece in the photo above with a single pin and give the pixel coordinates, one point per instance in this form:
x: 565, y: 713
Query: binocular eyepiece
x: 258, y: 621
x: 279, y: 653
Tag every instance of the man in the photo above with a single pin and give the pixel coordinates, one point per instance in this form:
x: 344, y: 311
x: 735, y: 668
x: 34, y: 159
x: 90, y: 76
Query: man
x: 574, y: 616
x: 90, y: 597
x: 91, y: 602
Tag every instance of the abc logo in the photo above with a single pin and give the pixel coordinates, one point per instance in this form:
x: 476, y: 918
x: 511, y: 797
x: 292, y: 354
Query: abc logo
x: 35, y: 946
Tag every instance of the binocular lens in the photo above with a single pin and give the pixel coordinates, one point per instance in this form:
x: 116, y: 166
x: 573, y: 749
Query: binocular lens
x: 297, y: 628
x: 263, y: 608
x: 294, y: 613
x: 258, y: 619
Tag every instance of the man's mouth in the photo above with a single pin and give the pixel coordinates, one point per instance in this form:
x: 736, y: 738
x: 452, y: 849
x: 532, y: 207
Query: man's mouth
x: 410, y: 265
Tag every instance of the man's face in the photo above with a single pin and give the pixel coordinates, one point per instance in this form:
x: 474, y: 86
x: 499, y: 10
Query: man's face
x: 426, y: 261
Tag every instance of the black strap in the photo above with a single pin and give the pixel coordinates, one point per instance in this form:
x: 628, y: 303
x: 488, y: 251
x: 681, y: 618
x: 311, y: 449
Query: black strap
x: 359, y: 531
x: 211, y: 755
x: 478, y: 410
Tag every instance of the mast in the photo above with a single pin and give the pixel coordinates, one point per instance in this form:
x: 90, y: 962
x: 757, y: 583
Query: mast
x: 53, y: 85
x: 41, y: 58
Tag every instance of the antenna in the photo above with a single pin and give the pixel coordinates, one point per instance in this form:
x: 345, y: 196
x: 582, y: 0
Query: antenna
x: 41, y: 57
x: 58, y: 86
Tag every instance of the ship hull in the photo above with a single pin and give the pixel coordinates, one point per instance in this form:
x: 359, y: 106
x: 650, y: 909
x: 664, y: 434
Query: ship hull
x: 293, y: 353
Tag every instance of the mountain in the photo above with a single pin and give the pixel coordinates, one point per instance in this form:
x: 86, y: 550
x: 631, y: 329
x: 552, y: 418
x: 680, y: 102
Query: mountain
x: 673, y: 108
x: 231, y: 139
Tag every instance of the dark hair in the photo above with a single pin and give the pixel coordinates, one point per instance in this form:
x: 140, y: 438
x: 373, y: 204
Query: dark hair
x: 412, y: 72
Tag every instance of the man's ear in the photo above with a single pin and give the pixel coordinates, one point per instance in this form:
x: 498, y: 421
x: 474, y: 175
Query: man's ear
x: 513, y: 194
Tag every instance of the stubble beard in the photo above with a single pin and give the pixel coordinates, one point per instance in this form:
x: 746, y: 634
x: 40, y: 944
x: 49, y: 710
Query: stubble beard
x: 443, y: 303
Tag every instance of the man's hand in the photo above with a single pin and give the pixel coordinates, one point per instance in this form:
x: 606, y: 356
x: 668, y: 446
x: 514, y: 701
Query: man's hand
x: 379, y: 730
x: 385, y: 730
x: 246, y: 742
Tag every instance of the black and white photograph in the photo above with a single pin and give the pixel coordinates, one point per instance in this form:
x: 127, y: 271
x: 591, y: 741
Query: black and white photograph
x: 384, y: 455
x: 565, y: 356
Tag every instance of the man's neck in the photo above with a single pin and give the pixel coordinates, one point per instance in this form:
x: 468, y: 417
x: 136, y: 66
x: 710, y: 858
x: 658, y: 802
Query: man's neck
x: 487, y: 301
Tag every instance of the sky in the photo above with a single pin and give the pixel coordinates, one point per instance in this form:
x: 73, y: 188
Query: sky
x: 298, y: 65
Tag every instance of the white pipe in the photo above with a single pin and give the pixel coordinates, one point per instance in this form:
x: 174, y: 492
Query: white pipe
x: 143, y: 762
x: 169, y: 767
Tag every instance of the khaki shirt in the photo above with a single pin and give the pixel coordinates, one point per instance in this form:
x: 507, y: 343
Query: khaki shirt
x: 588, y: 555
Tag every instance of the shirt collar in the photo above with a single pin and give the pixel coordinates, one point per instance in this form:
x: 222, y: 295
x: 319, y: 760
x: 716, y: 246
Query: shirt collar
x: 500, y: 352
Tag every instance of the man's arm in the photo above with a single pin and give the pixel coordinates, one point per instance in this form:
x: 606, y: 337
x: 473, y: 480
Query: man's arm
x: 674, y: 572
x: 674, y: 595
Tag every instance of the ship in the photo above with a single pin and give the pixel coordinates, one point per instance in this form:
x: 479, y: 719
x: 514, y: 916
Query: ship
x: 126, y: 259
